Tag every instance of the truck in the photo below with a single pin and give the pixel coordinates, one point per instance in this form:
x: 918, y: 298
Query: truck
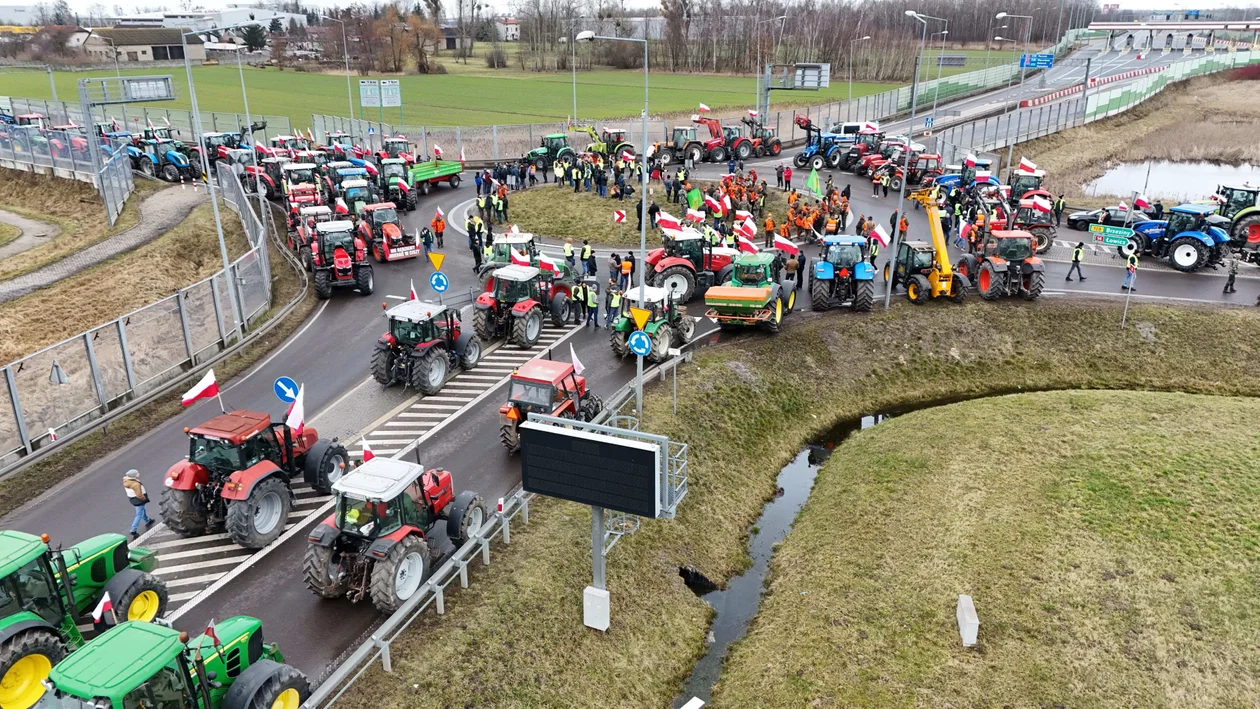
x: 423, y: 176
x: 757, y: 294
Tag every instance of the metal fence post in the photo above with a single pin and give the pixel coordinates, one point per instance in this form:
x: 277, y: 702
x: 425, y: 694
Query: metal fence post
x: 97, y: 384
x: 459, y: 141
x: 183, y: 324
x: 424, y: 141
x: 494, y: 131
x: 126, y: 356
x: 16, y: 402
x: 218, y: 312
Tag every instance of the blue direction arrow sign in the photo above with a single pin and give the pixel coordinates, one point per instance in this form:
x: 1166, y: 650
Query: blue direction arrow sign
x: 286, y: 389
x: 1036, y: 61
x: 439, y: 282
x: 640, y: 343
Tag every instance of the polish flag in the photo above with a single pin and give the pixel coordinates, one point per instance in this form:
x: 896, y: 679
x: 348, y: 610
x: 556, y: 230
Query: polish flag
x: 665, y: 220
x: 411, y: 295
x: 1041, y: 204
x: 402, y: 185
x: 970, y: 160
x: 296, y: 416
x: 371, y: 170
x: 439, y: 213
x: 519, y: 259
x: 726, y: 203
x: 627, y: 156
x: 880, y: 235
x: 752, y: 113
x: 714, y: 204
x: 205, y: 389
x: 547, y: 264
x: 105, y: 606
x: 746, y: 246
x: 982, y: 175
x: 869, y: 127
x: 340, y: 206
x: 461, y: 155
x: 1122, y: 207
x: 514, y: 229
x: 1026, y: 165
x: 747, y: 229
x: 367, y: 451
x: 1141, y: 203
x: 437, y: 151
x: 741, y: 215
x: 309, y: 135
x: 578, y: 367
x: 786, y: 245
x: 210, y: 632
x: 704, y: 108
x: 695, y: 215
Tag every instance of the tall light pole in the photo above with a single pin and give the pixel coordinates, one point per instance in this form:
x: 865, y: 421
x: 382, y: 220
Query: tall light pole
x: 1058, y: 30
x: 253, y: 151
x: 589, y: 36
x: 1023, y: 72
x: 113, y: 49
x: 345, y: 50
x: 901, y: 195
x: 936, y: 92
x: 760, y: 70
x: 851, y: 43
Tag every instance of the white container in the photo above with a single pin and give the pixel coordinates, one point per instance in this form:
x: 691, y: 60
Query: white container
x: 968, y: 621
x: 595, y: 608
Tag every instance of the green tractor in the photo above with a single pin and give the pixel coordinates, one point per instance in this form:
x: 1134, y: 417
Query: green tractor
x: 551, y: 149
x: 1241, y: 205
x: 757, y: 294
x: 149, y: 666
x: 609, y: 142
x: 40, y: 612
x: 668, y: 324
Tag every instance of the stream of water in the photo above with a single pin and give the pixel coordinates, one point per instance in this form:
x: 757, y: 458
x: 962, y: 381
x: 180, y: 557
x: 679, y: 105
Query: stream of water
x: 1170, y: 181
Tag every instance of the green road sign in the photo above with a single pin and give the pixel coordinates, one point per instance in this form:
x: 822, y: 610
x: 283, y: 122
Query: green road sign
x: 1111, y: 235
x: 1110, y: 240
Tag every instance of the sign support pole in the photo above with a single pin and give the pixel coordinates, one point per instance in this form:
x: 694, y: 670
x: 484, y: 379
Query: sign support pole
x: 598, y: 579
x: 1128, y: 293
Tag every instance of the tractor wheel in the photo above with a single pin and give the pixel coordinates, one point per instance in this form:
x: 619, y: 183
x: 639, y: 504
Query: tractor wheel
x: 324, y: 465
x: 789, y: 302
x: 798, y: 160
x: 1185, y: 253
x: 284, y: 687
x: 364, y: 280
x: 820, y: 295
x: 863, y: 296
x: 481, y: 325
x: 662, y: 340
x: 990, y: 283
x: 958, y: 288
x: 895, y: 184
x: 1036, y: 281
x: 424, y: 188
x: 194, y: 169
x: 257, y: 521
x: 967, y: 266
x: 453, y: 182
x: 26, y: 660
x: 718, y: 154
x: 1135, y: 245
x: 918, y: 289
x: 170, y: 173
x: 307, y: 262
x: 887, y: 271
x: 146, y: 167
x: 621, y: 344
x: 666, y: 156
x: 680, y: 280
x: 1043, y: 239
x: 428, y: 371
x: 686, y: 328
x: 509, y: 438
x: 466, y: 516
x: 743, y: 150
x: 540, y: 164
x: 484, y: 277
x: 591, y: 407
x: 413, y: 198
x: 136, y: 595
x: 400, y: 574
x: 181, y: 513
x: 383, y: 366
x: 560, y: 310
x: 695, y: 153
x: 775, y: 322
x: 776, y: 147
x: 833, y: 159
x: 378, y: 252
x: 323, y: 284
x: 817, y: 162
x: 527, y: 329
x: 1247, y: 231
x: 472, y: 354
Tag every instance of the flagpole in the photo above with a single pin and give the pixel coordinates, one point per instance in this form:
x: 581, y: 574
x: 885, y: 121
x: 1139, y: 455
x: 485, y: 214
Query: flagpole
x: 221, y: 407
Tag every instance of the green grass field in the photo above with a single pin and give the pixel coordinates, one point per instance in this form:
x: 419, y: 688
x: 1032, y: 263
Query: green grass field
x: 8, y: 233
x: 472, y: 96
x: 1107, y: 538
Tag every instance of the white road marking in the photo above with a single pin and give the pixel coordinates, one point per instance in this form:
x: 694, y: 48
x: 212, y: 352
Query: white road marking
x: 258, y: 367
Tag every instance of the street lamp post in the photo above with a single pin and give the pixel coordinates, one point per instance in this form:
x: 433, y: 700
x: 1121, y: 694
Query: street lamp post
x: 253, y: 151
x: 589, y: 36
x: 345, y: 50
x: 851, y: 43
x: 936, y: 92
x: 114, y: 50
x: 1023, y: 72
x: 760, y: 70
x: 914, y: 102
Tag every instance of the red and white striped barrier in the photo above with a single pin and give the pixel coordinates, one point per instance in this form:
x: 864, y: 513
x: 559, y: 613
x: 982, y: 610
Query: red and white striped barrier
x: 1092, y: 83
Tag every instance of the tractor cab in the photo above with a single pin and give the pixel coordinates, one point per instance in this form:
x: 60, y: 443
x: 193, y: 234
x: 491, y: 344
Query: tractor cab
x: 274, y: 167
x: 392, y: 170
x: 32, y: 119
x: 337, y: 235
x: 159, y: 133
x: 397, y: 147
x: 1024, y: 182
x: 213, y: 141
x: 505, y: 244
x: 290, y: 143
x: 379, y: 214
x: 685, y: 243
x: 356, y: 194
x: 1027, y: 215
x: 613, y: 136
x: 867, y: 141
x: 543, y: 386
x: 298, y: 173
x: 731, y: 133
x: 843, y: 251
x: 513, y: 284
x: 317, y: 214
x: 655, y: 300
x: 416, y: 322
x: 318, y: 158
x: 759, y: 269
x: 1237, y: 198
x: 381, y: 496
x: 914, y: 257
x: 554, y: 143
x: 683, y: 135
x: 352, y: 172
x: 971, y: 173
x: 337, y: 138
x: 1012, y: 246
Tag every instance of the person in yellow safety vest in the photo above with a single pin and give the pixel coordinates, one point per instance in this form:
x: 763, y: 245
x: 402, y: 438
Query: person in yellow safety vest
x: 575, y: 175
x: 592, y: 305
x: 568, y: 253
x: 728, y: 240
x: 711, y: 235
x: 578, y: 302
x: 873, y: 245
x: 612, y: 303
x: 681, y: 175
x: 487, y: 251
x: 497, y: 205
x: 557, y: 168
x: 586, y: 258
x: 1130, y: 273
x: 481, y: 205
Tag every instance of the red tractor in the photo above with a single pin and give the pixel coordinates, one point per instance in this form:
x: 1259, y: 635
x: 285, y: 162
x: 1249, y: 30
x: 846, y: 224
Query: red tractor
x: 301, y: 236
x: 339, y: 258
x: 379, y: 227
x: 867, y: 141
x: 1005, y: 265
x: 395, y: 147
x: 1029, y: 218
x: 376, y: 543
x: 872, y: 161
x: 422, y: 345
x: 238, y: 477
x: 924, y: 169
x: 715, y: 149
x: 764, y: 141
x: 737, y: 145
x: 513, y: 305
x: 544, y: 386
x: 686, y: 262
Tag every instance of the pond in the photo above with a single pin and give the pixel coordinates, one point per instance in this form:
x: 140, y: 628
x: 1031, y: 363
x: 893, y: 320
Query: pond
x: 1170, y: 181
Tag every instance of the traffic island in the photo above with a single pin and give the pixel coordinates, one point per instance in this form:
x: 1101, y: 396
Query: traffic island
x: 516, y: 637
x: 1091, y: 540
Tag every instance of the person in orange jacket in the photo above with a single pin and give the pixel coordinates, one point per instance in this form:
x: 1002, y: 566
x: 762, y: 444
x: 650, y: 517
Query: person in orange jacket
x: 769, y: 230
x: 438, y: 225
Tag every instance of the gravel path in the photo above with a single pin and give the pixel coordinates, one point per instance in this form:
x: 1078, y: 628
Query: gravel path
x: 33, y: 233
x: 159, y: 213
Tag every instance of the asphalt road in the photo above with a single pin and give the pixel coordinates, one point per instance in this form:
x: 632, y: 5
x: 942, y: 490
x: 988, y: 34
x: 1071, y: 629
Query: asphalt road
x: 330, y: 355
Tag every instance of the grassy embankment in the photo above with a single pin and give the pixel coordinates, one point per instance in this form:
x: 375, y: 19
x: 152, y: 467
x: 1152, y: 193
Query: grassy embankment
x: 8, y: 233
x: 1107, y: 538
x: 74, y: 206
x: 1210, y: 118
x: 556, y: 212
x: 515, y: 638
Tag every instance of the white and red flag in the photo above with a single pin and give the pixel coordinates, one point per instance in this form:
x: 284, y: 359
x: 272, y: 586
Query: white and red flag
x: 439, y: 212
x: 752, y: 113
x: 714, y: 204
x: 210, y: 632
x: 547, y: 264
x: 695, y: 215
x: 627, y: 156
x: 1141, y: 202
x: 665, y: 220
x: 786, y: 245
x: 704, y: 108
x: 1026, y: 165
x: 207, y: 388
x: 746, y: 246
x: 881, y: 235
x: 437, y: 150
x: 402, y: 185
x: 296, y: 416
x: 970, y: 160
x: 519, y: 258
x: 367, y: 451
x: 411, y: 295
x: 104, y: 606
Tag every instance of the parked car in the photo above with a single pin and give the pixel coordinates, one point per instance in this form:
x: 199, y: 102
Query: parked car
x: 1116, y: 216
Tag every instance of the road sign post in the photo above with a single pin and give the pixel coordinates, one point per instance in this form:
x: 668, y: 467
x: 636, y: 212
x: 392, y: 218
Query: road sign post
x: 439, y: 282
x: 1111, y: 235
x: 285, y: 388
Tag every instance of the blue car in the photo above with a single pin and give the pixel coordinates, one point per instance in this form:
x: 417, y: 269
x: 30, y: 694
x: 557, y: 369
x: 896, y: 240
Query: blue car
x: 842, y: 275
x: 1192, y: 237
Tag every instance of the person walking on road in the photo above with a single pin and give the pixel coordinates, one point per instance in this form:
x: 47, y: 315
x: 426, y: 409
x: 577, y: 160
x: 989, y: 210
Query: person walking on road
x: 592, y: 304
x: 474, y: 243
x: 138, y: 497
x: 903, y: 228
x: 612, y: 302
x: 578, y: 305
x: 438, y: 225
x: 1233, y: 273
x: 1058, y: 210
x: 883, y: 182
x: 1077, y: 254
x: 1130, y: 274
x: 778, y: 175
x: 787, y: 179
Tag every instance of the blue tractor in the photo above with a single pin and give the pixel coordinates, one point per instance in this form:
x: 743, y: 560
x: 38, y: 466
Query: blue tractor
x: 163, y: 158
x: 821, y: 149
x: 842, y: 276
x: 964, y: 176
x: 1192, y: 237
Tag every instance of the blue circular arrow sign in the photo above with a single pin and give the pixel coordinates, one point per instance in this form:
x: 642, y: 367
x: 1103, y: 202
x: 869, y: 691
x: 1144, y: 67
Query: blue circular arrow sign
x: 439, y: 282
x: 640, y: 343
x: 286, y: 389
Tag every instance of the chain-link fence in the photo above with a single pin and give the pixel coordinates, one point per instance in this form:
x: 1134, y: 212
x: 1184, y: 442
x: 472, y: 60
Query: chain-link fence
x: 998, y: 132
x: 63, y: 388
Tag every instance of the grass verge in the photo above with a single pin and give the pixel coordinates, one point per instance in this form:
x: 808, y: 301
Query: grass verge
x: 8, y: 233
x: 557, y: 212
x: 516, y: 638
x: 32, y: 481
x: 1208, y: 118
x: 74, y: 206
x: 182, y: 256
x: 1110, y: 554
